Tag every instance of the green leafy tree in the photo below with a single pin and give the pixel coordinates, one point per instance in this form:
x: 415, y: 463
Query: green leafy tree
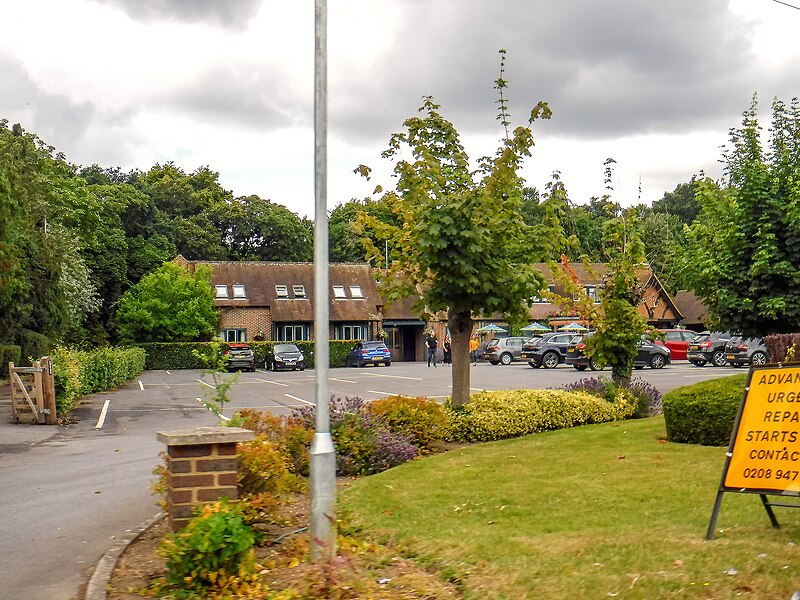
x: 681, y: 202
x: 743, y: 251
x: 619, y: 327
x: 462, y: 246
x: 169, y: 305
x: 346, y: 240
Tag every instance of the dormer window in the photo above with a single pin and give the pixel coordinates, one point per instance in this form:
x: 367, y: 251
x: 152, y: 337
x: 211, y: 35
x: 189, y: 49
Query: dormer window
x: 299, y: 291
x: 338, y: 291
x: 281, y: 291
x: 222, y: 291
x: 238, y: 291
x: 355, y: 291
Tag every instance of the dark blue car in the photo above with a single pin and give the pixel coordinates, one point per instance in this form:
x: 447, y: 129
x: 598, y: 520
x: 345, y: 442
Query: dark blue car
x: 369, y: 353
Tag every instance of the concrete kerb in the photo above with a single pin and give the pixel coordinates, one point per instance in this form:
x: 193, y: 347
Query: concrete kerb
x: 97, y: 588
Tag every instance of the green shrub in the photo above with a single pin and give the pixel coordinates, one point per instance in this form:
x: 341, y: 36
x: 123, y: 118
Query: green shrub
x: 423, y: 420
x: 214, y: 546
x: 34, y: 346
x: 704, y: 413
x: 512, y: 413
x: 80, y: 372
x: 289, y: 434
x: 183, y: 355
x: 9, y: 353
x: 266, y: 468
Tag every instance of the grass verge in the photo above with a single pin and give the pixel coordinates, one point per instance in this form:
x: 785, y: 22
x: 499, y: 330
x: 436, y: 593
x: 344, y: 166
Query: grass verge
x: 600, y: 511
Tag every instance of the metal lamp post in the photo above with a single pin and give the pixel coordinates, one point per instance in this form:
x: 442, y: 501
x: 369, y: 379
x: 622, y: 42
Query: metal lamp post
x: 323, y: 455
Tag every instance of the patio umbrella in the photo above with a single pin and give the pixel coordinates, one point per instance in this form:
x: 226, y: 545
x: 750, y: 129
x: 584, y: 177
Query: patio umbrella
x: 490, y: 328
x: 573, y: 327
x: 535, y: 327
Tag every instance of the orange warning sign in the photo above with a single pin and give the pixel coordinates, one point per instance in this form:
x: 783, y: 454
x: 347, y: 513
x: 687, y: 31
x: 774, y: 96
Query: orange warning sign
x: 766, y: 451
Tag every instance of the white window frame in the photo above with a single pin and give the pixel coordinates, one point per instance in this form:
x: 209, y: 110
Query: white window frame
x: 537, y: 300
x: 222, y: 291
x: 233, y: 334
x: 299, y: 291
x: 292, y: 332
x: 281, y: 291
x: 338, y: 291
x: 239, y: 291
x: 356, y: 292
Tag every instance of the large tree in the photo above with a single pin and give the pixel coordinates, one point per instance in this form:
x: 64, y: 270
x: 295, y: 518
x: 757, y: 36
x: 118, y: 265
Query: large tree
x: 462, y: 246
x: 168, y: 305
x: 743, y: 253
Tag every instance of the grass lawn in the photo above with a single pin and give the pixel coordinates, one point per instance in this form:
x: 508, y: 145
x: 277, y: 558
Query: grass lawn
x: 599, y: 511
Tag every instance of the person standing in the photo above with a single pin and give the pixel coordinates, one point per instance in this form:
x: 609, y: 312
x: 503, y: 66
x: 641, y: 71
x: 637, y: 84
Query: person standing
x: 431, y: 343
x: 473, y: 349
x: 447, y: 351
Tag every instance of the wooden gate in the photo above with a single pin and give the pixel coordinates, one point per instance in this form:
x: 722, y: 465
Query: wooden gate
x: 33, y: 392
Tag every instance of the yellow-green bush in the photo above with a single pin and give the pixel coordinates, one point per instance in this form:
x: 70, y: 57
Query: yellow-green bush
x: 513, y: 413
x: 422, y: 419
x: 80, y: 372
x: 265, y: 468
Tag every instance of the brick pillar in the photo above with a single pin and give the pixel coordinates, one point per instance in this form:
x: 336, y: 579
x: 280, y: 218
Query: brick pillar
x: 202, y: 467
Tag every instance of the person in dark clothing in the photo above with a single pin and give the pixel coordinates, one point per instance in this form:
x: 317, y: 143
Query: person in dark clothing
x: 447, y: 357
x: 430, y: 344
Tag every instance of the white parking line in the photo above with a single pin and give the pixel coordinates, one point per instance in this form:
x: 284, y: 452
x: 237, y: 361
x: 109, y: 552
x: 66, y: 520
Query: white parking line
x: 299, y: 399
x: 272, y: 382
x: 213, y: 387
x: 394, y: 376
x: 387, y: 393
x: 141, y: 385
x: 101, y: 421
x: 341, y: 380
x: 167, y: 372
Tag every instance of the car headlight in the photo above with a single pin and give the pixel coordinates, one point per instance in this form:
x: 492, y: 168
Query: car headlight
x: 278, y: 359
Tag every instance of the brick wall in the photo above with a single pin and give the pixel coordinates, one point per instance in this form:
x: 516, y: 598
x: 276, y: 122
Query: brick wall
x: 202, y: 465
x: 252, y: 319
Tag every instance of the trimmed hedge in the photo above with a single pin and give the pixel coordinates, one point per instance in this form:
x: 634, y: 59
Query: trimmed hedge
x: 704, y: 413
x: 180, y: 355
x: 512, y: 413
x: 80, y: 372
x: 9, y: 353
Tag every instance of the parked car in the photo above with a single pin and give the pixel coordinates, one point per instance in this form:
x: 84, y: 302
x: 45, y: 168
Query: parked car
x: 549, y: 350
x: 284, y: 356
x: 504, y: 350
x: 240, y: 356
x: 740, y: 351
x: 369, y: 353
x: 649, y: 354
x: 677, y: 340
x: 708, y: 347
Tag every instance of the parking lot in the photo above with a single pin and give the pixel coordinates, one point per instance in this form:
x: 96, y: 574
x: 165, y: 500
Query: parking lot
x: 280, y: 392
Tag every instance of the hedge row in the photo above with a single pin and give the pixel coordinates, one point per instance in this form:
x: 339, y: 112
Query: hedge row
x: 9, y: 354
x: 511, y: 413
x: 704, y: 413
x: 80, y: 372
x: 182, y: 355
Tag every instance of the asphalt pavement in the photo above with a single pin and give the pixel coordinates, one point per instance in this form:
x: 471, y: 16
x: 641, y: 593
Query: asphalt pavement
x: 68, y: 492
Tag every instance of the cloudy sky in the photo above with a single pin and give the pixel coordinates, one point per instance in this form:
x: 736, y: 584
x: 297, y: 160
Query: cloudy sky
x: 229, y: 84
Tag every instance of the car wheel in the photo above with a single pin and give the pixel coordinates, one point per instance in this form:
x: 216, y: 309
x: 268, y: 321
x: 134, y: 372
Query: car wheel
x: 698, y: 363
x: 719, y: 359
x: 550, y: 360
x: 593, y: 366
x: 388, y: 363
x: 506, y: 358
x: 580, y: 367
x: 533, y: 364
x: 657, y: 361
x: 758, y: 358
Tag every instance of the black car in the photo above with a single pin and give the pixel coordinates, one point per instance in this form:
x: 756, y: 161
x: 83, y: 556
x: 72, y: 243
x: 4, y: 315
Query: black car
x: 240, y: 356
x: 649, y: 354
x: 740, y: 351
x: 549, y: 350
x: 369, y: 353
x: 708, y: 347
x: 285, y: 356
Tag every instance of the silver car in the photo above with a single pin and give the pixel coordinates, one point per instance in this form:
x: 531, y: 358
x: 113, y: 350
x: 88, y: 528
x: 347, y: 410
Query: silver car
x: 504, y: 350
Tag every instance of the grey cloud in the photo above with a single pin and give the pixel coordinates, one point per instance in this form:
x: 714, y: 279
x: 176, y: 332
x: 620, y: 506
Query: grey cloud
x: 234, y: 14
x: 606, y: 67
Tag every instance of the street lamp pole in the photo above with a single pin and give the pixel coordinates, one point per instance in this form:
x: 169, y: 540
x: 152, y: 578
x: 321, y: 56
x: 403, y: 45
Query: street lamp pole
x: 323, y: 455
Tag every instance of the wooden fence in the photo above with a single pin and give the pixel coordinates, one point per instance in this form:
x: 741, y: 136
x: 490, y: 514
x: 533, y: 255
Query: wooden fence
x: 33, y: 393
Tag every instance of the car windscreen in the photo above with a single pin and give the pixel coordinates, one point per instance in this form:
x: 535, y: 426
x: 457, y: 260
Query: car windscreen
x: 286, y: 348
x: 373, y: 345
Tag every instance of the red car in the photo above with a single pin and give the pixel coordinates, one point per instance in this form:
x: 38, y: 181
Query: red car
x: 677, y: 340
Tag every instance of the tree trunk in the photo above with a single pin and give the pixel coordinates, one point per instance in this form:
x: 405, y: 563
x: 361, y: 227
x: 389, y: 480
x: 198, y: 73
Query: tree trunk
x: 460, y: 325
